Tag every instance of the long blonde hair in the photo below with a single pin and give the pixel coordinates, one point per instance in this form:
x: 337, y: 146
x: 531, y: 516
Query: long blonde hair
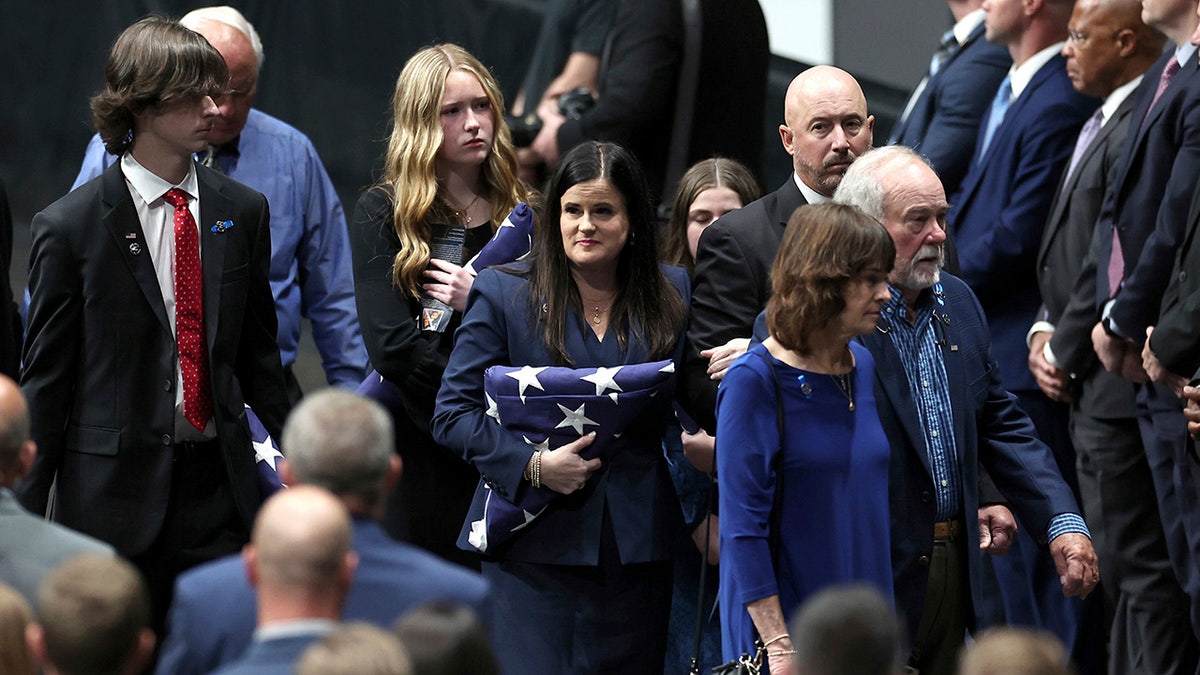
x: 409, y: 170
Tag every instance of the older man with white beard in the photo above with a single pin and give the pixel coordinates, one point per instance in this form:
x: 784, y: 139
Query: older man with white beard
x: 947, y: 416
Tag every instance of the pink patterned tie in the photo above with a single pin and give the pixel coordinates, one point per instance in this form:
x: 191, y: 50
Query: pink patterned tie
x: 189, y: 313
x: 1116, y: 259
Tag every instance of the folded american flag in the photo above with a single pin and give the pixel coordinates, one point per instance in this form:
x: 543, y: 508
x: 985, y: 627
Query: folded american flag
x: 266, y: 456
x: 513, y: 241
x: 548, y: 407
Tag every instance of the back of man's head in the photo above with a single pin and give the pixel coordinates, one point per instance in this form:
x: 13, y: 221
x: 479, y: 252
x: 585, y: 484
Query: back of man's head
x: 343, y: 443
x: 847, y: 630
x: 229, y: 16
x: 299, y: 556
x: 1015, y: 651
x: 16, y: 449
x: 93, y: 617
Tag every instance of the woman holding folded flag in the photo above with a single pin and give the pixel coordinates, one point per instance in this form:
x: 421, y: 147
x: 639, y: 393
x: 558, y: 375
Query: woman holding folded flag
x: 449, y: 180
x: 581, y: 339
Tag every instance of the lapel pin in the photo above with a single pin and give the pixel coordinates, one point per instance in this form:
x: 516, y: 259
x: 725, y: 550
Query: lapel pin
x: 131, y: 235
x: 953, y: 348
x: 135, y: 248
x: 222, y: 225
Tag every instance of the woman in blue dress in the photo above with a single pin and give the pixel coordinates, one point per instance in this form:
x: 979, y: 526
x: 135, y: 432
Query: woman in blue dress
x: 831, y: 519
x: 586, y: 586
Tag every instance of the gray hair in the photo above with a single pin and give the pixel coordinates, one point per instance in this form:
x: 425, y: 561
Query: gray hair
x: 846, y: 630
x: 861, y: 187
x: 230, y: 17
x: 339, y: 441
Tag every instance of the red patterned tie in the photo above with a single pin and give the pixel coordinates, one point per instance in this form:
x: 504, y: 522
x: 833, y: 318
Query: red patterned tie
x: 189, y: 313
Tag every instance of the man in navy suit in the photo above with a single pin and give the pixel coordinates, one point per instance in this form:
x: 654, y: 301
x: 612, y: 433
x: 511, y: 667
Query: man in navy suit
x: 1109, y: 50
x: 947, y: 414
x: 941, y: 120
x: 997, y: 219
x: 343, y: 443
x: 151, y: 325
x: 300, y: 564
x: 1141, y: 232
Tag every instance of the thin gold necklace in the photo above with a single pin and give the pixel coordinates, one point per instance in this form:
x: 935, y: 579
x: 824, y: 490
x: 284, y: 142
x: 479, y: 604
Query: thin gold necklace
x: 458, y: 213
x: 845, y: 385
x: 596, y: 308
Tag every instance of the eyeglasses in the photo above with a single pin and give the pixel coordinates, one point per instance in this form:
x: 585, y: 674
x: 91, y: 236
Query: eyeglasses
x: 1076, y: 38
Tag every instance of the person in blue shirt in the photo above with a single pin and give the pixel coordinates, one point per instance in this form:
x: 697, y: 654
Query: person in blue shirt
x: 310, y: 271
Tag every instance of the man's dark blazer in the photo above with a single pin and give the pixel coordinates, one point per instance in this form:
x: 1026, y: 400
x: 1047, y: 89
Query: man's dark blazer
x: 276, y: 656
x: 1158, y: 176
x: 100, y: 356
x: 944, y: 121
x: 731, y: 286
x: 1176, y: 339
x: 990, y: 432
x: 998, y: 216
x: 1066, y: 266
x: 213, y: 613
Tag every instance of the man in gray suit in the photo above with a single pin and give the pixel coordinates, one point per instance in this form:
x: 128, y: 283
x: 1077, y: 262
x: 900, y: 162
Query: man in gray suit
x: 1108, y: 51
x: 30, y: 547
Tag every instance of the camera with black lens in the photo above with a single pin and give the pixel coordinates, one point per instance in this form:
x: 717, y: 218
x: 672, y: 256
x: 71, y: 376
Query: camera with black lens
x: 572, y: 105
x: 524, y: 128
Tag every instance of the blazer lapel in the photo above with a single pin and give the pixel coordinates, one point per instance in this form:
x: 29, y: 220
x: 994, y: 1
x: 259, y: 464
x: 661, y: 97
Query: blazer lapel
x: 1175, y: 89
x: 121, y: 220
x: 952, y: 357
x: 889, y: 373
x: 215, y: 211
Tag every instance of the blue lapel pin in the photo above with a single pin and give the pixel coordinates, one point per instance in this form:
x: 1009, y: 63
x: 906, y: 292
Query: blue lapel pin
x: 221, y: 226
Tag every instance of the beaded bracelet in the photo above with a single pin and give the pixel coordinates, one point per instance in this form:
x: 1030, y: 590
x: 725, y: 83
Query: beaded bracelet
x: 783, y: 652
x: 536, y: 478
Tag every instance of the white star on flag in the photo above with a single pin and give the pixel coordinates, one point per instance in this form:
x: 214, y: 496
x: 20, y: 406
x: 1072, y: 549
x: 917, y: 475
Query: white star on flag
x: 603, y: 379
x: 574, y: 418
x: 493, y: 410
x: 544, y: 445
x: 669, y: 368
x: 265, y: 452
x: 527, y: 377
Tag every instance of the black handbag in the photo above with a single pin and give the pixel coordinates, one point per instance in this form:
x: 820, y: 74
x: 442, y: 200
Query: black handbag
x: 747, y: 664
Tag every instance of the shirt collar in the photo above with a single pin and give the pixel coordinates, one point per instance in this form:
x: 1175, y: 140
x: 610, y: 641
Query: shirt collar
x: 1020, y: 76
x: 899, y: 307
x: 1185, y: 53
x: 294, y: 628
x: 1117, y: 97
x: 810, y: 195
x: 967, y: 25
x: 149, y: 186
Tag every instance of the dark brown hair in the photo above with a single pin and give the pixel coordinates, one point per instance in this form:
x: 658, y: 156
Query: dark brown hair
x: 704, y: 175
x: 153, y: 63
x: 646, y: 303
x: 824, y: 248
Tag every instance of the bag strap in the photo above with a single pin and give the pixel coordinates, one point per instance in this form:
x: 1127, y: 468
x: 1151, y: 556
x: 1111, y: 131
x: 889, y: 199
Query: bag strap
x: 776, y: 521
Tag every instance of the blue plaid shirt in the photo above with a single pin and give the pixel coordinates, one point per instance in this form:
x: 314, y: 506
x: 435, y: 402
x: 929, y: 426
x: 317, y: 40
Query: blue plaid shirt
x: 917, y: 344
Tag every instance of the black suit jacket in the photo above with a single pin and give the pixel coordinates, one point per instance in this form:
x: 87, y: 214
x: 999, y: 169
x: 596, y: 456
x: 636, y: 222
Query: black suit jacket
x: 1067, y: 269
x: 100, y: 356
x: 944, y: 120
x: 1149, y: 202
x: 731, y: 286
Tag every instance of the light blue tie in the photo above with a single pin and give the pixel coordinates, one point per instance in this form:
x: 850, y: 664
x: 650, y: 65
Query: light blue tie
x: 999, y: 107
